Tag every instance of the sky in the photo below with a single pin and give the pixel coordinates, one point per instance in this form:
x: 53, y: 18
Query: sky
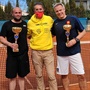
x: 22, y: 3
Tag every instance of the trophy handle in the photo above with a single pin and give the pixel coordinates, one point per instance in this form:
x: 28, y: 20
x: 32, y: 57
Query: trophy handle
x: 67, y: 39
x: 67, y: 35
x: 16, y: 36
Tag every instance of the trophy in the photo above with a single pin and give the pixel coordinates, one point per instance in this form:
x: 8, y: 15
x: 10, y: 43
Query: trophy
x: 67, y: 27
x: 16, y: 30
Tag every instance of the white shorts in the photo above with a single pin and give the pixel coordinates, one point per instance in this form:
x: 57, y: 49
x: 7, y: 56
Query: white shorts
x: 74, y: 62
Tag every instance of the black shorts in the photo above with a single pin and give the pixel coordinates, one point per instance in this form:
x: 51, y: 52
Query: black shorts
x: 18, y: 65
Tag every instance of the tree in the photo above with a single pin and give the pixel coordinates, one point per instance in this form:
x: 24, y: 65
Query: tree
x: 82, y: 10
x: 72, y: 7
x: 2, y: 14
x: 88, y: 14
x: 8, y: 9
x: 67, y: 7
x: 17, y: 3
x: 78, y: 11
x: 57, y: 1
x: 63, y: 2
x: 30, y: 4
x: 47, y: 4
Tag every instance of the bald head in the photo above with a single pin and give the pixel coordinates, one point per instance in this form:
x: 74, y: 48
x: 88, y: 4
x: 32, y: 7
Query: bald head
x: 17, y: 13
x: 16, y: 9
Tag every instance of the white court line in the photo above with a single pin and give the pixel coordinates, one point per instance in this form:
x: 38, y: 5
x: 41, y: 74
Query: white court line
x: 85, y: 42
x: 55, y: 43
x: 69, y: 85
x: 81, y: 42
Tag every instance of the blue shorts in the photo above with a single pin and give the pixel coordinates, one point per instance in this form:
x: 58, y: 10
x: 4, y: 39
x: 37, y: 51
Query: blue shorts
x: 18, y: 65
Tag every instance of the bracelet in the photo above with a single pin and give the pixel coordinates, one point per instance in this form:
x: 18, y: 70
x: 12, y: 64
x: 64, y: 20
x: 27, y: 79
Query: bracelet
x: 77, y: 40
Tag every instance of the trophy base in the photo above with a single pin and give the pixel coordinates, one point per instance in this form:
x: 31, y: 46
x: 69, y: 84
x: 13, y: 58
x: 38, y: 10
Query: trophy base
x: 15, y: 50
x: 66, y: 44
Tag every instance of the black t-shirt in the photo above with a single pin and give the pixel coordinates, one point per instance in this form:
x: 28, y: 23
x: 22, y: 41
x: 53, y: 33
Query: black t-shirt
x: 59, y: 32
x: 6, y: 31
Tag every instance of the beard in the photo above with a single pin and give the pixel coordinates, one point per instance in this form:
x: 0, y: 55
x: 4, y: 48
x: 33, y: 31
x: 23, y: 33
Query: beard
x: 17, y: 20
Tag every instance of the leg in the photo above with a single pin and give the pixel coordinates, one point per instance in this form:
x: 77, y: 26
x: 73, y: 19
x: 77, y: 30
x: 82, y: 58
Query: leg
x: 78, y: 69
x: 82, y: 82
x: 21, y: 82
x: 11, y: 71
x: 12, y: 84
x: 38, y: 65
x: 63, y: 70
x: 65, y: 82
x: 49, y: 63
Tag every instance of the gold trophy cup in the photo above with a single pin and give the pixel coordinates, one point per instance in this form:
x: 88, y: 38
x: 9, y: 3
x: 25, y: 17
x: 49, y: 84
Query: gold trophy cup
x: 67, y: 27
x: 16, y: 30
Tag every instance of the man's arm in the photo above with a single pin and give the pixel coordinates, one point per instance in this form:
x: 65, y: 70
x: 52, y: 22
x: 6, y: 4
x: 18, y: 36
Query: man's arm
x: 75, y: 40
x: 81, y: 34
x: 7, y: 43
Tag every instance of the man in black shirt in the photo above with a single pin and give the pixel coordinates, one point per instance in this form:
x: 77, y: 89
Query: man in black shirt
x: 17, y: 49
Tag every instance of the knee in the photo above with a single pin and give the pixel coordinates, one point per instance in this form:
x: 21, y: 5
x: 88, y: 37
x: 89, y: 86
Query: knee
x: 64, y: 76
x: 39, y: 75
x: 13, y: 79
x: 52, y: 77
x: 81, y: 77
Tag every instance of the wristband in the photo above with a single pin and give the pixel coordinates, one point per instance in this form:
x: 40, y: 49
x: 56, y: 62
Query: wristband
x: 77, y: 40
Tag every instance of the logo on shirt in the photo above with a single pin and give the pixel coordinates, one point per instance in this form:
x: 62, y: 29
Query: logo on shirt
x: 56, y: 23
x: 57, y: 69
x: 41, y: 24
x: 24, y: 25
x: 38, y: 31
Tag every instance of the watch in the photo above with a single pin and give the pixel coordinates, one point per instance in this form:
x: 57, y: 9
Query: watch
x: 77, y: 40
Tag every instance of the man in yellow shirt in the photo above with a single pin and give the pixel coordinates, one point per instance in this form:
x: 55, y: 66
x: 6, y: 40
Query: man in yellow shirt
x: 41, y: 43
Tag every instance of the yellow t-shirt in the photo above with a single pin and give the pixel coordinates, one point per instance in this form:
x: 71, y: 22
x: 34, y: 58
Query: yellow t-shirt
x: 39, y: 30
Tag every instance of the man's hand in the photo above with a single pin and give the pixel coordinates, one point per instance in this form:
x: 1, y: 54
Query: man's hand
x: 71, y: 43
x: 13, y: 45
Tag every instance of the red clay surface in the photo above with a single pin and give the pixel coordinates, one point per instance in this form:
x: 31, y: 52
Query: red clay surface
x: 31, y: 77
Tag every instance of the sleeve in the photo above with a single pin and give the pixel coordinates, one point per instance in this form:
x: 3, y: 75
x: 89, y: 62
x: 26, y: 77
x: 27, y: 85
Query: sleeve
x: 53, y: 29
x: 51, y: 21
x: 79, y: 25
x: 4, y: 30
x: 28, y: 29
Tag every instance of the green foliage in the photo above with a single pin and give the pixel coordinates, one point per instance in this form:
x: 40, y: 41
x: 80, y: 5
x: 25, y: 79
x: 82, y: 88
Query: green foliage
x: 17, y: 3
x: 78, y: 11
x: 82, y: 10
x: 57, y: 1
x: 67, y: 7
x: 88, y: 14
x: 8, y: 9
x: 63, y: 2
x: 47, y: 6
x: 2, y: 14
x: 72, y: 7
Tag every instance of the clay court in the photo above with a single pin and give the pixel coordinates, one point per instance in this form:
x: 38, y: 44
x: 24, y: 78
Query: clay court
x: 30, y: 80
